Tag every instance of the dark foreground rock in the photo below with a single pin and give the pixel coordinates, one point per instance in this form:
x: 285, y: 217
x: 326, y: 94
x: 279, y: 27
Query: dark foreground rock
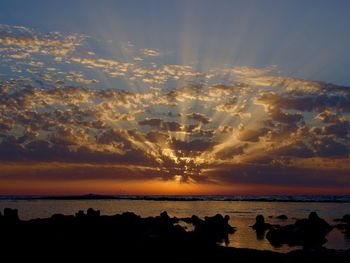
x: 282, y: 217
x: 130, y: 238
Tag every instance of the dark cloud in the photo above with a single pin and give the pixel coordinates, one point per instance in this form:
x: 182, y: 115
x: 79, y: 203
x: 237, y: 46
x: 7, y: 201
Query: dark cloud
x: 204, y: 133
x: 339, y: 129
x: 276, y: 175
x: 296, y: 149
x: 152, y: 122
x: 167, y: 125
x: 158, y: 137
x: 44, y: 151
x: 199, y: 117
x: 285, y: 117
x: 64, y: 136
x: 43, y: 172
x: 192, y: 146
x: 315, y: 103
x: 114, y: 135
x: 251, y: 135
x: 330, y: 147
x: 229, y: 152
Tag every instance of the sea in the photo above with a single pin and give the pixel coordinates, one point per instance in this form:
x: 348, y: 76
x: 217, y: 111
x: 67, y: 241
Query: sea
x: 241, y: 209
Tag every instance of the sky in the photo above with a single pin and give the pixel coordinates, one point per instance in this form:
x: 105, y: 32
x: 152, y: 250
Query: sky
x: 174, y: 97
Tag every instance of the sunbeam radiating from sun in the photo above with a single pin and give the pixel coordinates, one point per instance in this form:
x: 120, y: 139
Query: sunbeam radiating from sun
x: 195, y: 105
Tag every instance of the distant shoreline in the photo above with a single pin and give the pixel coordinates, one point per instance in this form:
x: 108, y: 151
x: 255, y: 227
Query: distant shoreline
x: 182, y: 198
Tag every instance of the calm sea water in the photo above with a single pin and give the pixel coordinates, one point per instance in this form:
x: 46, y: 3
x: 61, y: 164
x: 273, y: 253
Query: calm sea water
x: 242, y: 214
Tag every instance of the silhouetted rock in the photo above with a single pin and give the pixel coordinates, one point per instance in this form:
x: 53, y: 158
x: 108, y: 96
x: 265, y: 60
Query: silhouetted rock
x: 130, y: 216
x: 346, y: 218
x: 282, y: 217
x: 260, y: 226
x: 164, y: 215
x: 11, y: 215
x: 80, y: 214
x: 309, y: 232
x: 317, y: 223
x: 58, y: 217
x: 91, y: 213
x: 212, y: 229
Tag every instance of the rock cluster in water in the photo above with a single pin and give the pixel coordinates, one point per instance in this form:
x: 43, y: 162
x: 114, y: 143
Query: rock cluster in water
x: 127, y: 237
x: 344, y: 226
x: 309, y: 232
x: 120, y: 228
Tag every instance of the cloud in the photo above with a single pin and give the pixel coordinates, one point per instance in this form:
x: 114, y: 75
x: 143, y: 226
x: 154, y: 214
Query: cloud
x: 285, y: 117
x: 251, y: 72
x: 340, y: 129
x: 301, y: 102
x: 235, y: 108
x: 79, y: 77
x: 294, y: 149
x: 150, y: 52
x: 263, y: 175
x: 25, y: 42
x: 112, y: 67
x: 199, y: 117
x: 67, y: 136
x: 61, y: 102
x: 158, y: 137
x: 329, y: 117
x: 330, y: 147
x: 238, y: 88
x: 229, y: 152
x: 251, y: 135
x: 54, y: 172
x: 167, y: 125
x: 192, y: 146
x: 78, y: 125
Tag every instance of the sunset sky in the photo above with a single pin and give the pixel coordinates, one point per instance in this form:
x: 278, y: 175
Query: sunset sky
x: 174, y: 97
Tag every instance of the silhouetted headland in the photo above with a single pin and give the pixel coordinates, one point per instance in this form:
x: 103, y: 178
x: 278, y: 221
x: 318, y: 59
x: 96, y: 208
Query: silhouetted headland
x: 127, y: 236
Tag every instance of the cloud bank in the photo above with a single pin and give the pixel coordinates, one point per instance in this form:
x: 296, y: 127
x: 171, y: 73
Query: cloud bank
x: 168, y: 122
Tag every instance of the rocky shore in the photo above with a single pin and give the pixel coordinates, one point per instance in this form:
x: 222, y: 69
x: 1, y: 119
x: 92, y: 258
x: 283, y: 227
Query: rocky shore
x: 129, y: 238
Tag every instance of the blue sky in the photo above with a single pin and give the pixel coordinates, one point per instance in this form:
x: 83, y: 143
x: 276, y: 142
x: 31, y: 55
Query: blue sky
x: 307, y: 39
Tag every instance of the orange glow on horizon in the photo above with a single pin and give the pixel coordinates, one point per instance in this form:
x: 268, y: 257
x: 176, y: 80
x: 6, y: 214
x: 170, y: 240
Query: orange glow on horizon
x: 62, y: 181
x: 149, y: 187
